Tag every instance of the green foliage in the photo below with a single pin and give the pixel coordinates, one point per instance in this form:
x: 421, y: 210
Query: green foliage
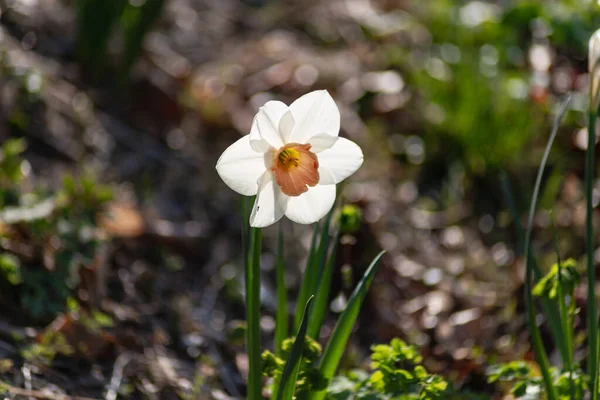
x: 309, y: 377
x: 29, y: 86
x: 481, y: 99
x: 547, y: 286
x: 272, y: 366
x: 515, y: 370
x: 10, y: 161
x: 289, y: 378
x: 252, y: 266
x: 62, y: 228
x: 396, y: 352
x: 313, y: 273
x: 51, y: 344
x: 571, y: 384
x: 397, y: 374
x: 94, y: 321
x: 81, y: 198
x: 10, y: 267
x: 341, y: 333
x: 470, y: 80
x: 321, y: 268
x: 11, y: 171
x: 311, y: 351
x: 282, y: 317
x: 470, y: 98
x: 45, y: 290
x: 568, y: 384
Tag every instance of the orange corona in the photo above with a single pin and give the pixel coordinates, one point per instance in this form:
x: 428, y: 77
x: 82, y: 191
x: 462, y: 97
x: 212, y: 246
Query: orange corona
x: 296, y: 168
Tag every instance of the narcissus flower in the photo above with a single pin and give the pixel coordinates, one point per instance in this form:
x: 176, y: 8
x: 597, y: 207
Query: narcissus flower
x: 291, y: 159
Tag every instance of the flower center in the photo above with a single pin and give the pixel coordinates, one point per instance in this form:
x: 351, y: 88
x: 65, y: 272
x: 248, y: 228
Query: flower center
x: 295, y: 168
x: 288, y: 158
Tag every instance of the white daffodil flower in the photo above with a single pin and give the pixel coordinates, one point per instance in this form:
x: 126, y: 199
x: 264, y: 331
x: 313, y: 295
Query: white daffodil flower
x: 292, y: 159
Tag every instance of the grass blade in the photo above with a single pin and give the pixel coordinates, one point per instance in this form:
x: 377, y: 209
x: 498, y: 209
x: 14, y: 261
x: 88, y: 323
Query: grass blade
x: 304, y: 293
x: 562, y: 306
x: 538, y: 346
x: 550, y: 309
x: 315, y: 267
x: 281, y: 317
x: 292, y: 365
x: 322, y: 296
x: 253, y: 314
x: 341, y: 333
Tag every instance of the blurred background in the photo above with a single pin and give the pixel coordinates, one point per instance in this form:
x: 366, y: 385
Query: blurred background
x: 120, y: 268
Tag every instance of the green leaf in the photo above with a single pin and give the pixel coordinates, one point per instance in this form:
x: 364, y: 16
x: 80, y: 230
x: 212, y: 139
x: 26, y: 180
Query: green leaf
x: 316, y: 265
x: 534, y: 331
x: 272, y: 366
x: 394, y: 356
x: 10, y: 267
x: 311, y: 351
x: 341, y: 333
x: 292, y: 365
x: 519, y: 389
x: 322, y: 296
x: 11, y: 160
x: 547, y: 287
x: 550, y: 308
x: 305, y: 288
x: 515, y: 370
x: 281, y: 318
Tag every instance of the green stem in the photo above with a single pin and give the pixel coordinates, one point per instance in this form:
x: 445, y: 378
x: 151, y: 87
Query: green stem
x: 281, y: 317
x: 589, y: 250
x: 534, y: 330
x: 564, y: 315
x: 305, y: 289
x: 319, y: 309
x: 550, y: 308
x: 562, y: 305
x: 253, y: 314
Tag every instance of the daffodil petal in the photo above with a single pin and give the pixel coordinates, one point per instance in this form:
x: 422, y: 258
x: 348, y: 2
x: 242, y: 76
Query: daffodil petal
x: 321, y: 142
x: 325, y: 177
x: 256, y: 142
x: 314, y: 113
x: 265, y: 127
x: 286, y: 125
x: 269, y: 206
x: 312, y: 205
x: 240, y: 167
x: 342, y: 160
